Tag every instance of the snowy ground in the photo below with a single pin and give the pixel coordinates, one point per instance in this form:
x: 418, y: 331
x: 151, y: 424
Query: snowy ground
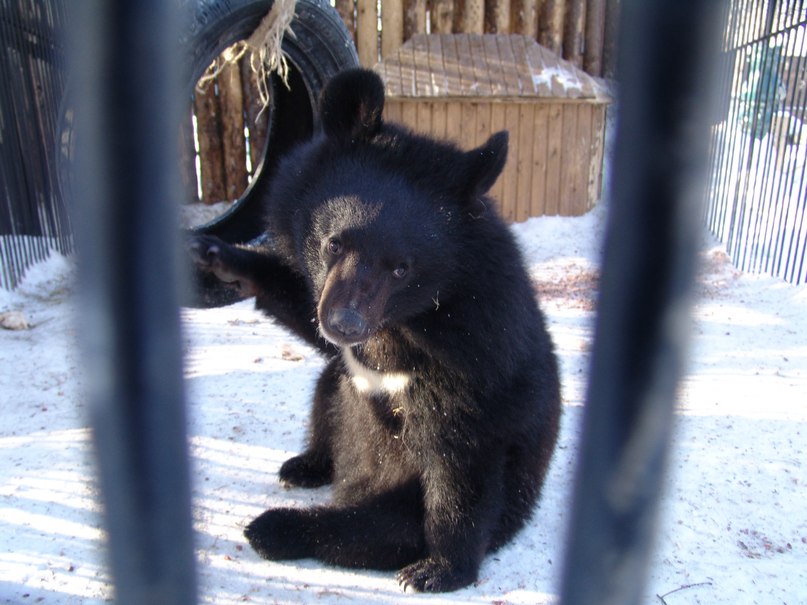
x: 734, y: 526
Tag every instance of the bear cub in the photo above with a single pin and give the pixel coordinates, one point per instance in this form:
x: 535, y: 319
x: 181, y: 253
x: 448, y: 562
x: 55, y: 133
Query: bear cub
x: 437, y: 413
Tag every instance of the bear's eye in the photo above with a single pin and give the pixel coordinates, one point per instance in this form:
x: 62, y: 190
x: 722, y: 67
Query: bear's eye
x: 334, y: 246
x: 400, y: 271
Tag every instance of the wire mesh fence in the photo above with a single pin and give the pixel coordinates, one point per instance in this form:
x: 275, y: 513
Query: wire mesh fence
x: 757, y: 191
x: 33, y: 219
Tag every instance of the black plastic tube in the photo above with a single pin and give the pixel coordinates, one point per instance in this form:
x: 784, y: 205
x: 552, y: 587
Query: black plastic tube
x: 126, y: 79
x: 643, y: 323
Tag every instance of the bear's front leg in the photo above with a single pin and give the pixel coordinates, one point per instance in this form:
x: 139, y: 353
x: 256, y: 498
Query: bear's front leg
x: 463, y: 503
x: 230, y: 264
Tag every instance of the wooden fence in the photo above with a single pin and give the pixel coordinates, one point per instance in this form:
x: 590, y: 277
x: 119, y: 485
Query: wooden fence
x: 580, y: 31
x: 230, y: 135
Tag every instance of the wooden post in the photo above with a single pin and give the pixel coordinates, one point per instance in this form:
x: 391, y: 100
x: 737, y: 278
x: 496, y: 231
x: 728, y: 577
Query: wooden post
x: 442, y: 16
x: 187, y: 158
x: 414, y: 18
x: 346, y: 8
x: 550, y: 26
x: 367, y: 32
x: 232, y: 129
x: 609, y: 42
x: 595, y: 30
x: 525, y: 17
x: 208, y: 130
x: 574, y: 32
x: 497, y: 17
x: 469, y: 16
x: 392, y: 26
x: 256, y: 120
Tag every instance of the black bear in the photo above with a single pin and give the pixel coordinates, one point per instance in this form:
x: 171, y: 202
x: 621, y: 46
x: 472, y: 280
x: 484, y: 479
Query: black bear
x: 436, y: 416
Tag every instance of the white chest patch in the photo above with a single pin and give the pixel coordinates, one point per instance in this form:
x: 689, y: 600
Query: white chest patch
x: 373, y: 382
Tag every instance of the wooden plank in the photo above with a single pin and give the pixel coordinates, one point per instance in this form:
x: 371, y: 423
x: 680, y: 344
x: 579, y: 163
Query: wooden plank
x: 454, y: 122
x: 367, y: 32
x: 583, y: 201
x: 570, y: 169
x: 483, y: 126
x: 510, y: 184
x: 409, y: 114
x: 497, y: 123
x: 595, y: 192
x: 540, y: 135
x: 468, y: 112
x: 392, y: 26
x: 493, y: 66
x: 420, y: 59
x: 497, y: 17
x: 439, y: 119
x: 423, y: 116
x: 523, y: 151
x: 208, y: 132
x: 436, y: 66
x: 393, y: 111
x: 506, y: 66
x: 553, y: 158
x: 232, y: 129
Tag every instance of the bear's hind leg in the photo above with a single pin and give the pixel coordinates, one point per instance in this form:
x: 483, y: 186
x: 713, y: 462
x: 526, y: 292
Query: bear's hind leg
x: 383, y: 532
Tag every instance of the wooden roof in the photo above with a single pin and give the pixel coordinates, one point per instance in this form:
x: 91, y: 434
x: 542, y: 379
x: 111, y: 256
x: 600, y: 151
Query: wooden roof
x: 473, y: 65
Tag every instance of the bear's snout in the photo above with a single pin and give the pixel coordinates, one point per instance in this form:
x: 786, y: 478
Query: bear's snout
x: 348, y: 324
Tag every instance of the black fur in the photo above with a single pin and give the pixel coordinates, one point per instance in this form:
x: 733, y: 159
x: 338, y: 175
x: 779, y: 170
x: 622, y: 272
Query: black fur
x: 437, y: 414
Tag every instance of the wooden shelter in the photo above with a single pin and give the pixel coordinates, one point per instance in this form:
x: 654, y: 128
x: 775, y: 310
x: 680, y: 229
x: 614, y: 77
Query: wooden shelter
x: 465, y: 87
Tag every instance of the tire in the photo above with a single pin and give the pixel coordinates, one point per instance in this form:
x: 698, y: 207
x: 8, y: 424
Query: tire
x: 319, y: 48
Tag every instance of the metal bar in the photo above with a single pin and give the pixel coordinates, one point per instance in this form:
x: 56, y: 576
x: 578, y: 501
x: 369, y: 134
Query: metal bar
x: 665, y: 71
x: 127, y: 109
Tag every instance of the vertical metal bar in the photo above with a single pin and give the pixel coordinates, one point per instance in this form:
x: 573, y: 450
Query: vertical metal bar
x: 126, y: 83
x: 642, y: 327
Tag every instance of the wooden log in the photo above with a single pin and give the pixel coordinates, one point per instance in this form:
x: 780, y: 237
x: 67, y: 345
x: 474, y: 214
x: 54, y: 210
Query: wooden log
x: 574, y: 32
x: 346, y: 10
x: 392, y: 26
x: 414, y: 18
x: 610, y: 37
x: 442, y: 16
x: 208, y: 132
x: 469, y: 16
x: 367, y: 32
x: 525, y: 17
x: 550, y: 25
x: 497, y: 17
x: 187, y: 158
x: 256, y: 119
x: 595, y: 31
x: 232, y: 129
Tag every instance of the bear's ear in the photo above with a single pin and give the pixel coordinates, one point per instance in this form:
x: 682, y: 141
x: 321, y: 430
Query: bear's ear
x: 351, y: 104
x: 484, y: 164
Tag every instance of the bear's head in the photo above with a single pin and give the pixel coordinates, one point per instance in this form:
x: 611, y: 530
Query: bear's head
x: 379, y: 214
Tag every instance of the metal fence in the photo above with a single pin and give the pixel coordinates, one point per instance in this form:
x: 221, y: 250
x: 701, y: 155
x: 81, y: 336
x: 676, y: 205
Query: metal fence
x: 757, y: 191
x: 33, y: 220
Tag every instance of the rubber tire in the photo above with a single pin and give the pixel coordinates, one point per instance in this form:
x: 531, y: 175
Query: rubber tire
x: 320, y: 47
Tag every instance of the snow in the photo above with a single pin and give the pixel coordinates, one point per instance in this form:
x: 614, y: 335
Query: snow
x: 733, y: 527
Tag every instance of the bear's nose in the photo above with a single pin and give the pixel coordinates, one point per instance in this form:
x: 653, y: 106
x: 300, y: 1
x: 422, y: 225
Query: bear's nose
x: 347, y: 323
